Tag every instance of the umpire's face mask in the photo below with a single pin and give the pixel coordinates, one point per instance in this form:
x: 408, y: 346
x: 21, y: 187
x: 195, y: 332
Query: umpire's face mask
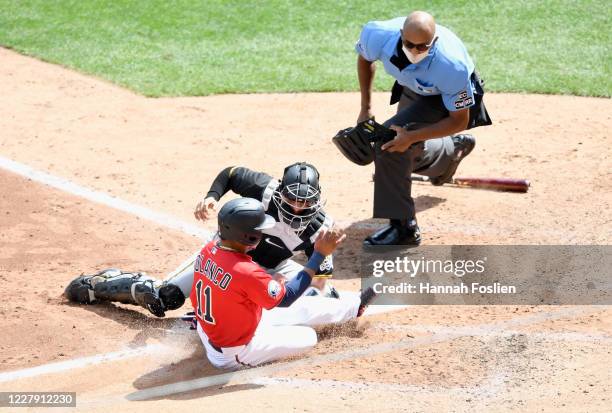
x: 415, y: 52
x: 413, y: 57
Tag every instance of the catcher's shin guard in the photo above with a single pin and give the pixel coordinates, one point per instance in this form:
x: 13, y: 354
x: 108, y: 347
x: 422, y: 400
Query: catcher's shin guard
x: 127, y: 288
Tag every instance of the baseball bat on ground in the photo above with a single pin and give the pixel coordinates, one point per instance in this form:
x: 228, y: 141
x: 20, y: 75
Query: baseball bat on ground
x: 496, y: 184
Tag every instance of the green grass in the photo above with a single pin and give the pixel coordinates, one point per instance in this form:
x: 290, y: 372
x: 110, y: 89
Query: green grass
x: 189, y: 47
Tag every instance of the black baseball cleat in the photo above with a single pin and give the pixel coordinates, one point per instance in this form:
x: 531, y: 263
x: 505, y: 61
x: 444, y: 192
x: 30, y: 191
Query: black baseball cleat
x: 332, y: 292
x: 464, y: 144
x: 396, y: 233
x: 365, y: 297
x: 191, y: 320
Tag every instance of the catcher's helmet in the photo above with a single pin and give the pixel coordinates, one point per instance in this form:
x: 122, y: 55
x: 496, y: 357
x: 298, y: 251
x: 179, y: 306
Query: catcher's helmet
x: 298, y: 196
x: 242, y: 220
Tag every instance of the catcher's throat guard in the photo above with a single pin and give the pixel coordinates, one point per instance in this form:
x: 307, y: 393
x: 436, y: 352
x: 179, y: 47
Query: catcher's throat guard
x: 357, y: 143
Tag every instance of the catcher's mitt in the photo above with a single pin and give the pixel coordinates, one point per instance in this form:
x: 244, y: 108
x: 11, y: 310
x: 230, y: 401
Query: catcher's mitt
x: 357, y: 143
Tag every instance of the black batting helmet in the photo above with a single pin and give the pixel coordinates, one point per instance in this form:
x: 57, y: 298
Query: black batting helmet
x: 242, y: 220
x: 298, y: 196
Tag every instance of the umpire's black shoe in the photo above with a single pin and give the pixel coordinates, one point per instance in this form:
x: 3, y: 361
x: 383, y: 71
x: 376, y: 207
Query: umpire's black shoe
x: 396, y: 233
x: 365, y: 297
x: 464, y: 144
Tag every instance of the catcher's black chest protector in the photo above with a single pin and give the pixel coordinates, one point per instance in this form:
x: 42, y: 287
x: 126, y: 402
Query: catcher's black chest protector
x: 281, y: 243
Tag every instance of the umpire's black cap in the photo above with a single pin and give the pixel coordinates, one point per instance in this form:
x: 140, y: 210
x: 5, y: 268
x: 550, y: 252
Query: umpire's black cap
x: 242, y: 220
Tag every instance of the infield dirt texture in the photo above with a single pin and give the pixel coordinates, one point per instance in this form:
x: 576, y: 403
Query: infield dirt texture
x: 163, y: 153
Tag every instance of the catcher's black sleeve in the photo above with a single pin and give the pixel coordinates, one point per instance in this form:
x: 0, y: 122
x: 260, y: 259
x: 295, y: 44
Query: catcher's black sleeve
x: 243, y: 181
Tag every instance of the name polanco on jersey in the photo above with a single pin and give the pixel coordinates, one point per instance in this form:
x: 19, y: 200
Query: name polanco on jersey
x: 213, y: 272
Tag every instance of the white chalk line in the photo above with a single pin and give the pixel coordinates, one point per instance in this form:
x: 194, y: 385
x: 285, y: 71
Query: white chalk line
x: 491, y: 386
x: 163, y: 220
x: 479, y: 332
x: 103, y: 198
x: 62, y: 366
x: 246, y: 376
x: 121, y: 205
x: 98, y: 197
x: 70, y: 187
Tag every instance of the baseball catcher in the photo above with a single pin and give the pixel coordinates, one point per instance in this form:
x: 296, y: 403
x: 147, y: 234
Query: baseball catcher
x: 294, y: 202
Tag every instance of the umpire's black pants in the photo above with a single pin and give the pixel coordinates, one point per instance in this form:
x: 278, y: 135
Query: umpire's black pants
x: 392, y: 182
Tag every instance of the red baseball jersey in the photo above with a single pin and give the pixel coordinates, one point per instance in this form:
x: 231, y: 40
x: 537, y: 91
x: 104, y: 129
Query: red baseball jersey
x: 228, y: 293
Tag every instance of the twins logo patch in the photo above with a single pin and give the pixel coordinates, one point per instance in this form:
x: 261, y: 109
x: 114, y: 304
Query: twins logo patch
x: 274, y: 289
x: 463, y: 100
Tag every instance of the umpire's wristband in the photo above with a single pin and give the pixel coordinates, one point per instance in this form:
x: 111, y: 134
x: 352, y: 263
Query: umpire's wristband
x: 315, y: 261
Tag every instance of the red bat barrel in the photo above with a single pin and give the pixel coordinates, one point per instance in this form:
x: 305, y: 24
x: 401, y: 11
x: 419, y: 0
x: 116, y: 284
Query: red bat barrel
x: 499, y: 184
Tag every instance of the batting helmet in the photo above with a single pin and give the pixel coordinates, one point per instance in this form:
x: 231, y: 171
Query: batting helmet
x: 298, y: 197
x: 242, y: 220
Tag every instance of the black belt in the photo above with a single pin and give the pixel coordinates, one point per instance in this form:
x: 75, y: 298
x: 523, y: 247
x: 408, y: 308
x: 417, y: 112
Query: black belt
x: 215, y: 347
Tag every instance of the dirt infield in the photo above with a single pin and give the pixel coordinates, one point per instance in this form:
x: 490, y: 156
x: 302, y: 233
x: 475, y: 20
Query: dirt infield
x: 162, y: 154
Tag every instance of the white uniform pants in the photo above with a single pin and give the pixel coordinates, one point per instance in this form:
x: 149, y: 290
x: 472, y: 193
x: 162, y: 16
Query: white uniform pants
x: 284, y: 331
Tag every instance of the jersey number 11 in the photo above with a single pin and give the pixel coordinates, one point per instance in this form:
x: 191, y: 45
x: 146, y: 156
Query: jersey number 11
x: 207, y: 314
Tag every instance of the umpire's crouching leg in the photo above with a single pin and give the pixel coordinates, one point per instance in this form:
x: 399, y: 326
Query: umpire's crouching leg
x: 392, y: 177
x: 392, y: 198
x: 392, y: 185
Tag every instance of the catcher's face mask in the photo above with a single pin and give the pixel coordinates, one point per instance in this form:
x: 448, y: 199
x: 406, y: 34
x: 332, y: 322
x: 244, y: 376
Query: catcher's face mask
x: 297, y: 204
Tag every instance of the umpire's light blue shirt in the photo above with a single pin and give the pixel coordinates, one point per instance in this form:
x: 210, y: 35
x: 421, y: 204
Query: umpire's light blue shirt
x: 445, y: 71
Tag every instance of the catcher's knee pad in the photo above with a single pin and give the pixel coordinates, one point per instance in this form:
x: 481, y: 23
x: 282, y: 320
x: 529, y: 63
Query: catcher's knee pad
x: 171, y: 295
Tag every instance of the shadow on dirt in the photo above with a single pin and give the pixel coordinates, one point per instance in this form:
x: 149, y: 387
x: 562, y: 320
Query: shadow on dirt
x: 195, y: 366
x: 347, y: 258
x: 188, y: 362
x: 146, y: 325
x: 210, y: 391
